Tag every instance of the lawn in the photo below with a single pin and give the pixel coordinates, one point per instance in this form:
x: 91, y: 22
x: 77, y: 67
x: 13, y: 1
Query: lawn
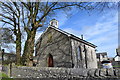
x: 117, y: 66
x: 3, y: 76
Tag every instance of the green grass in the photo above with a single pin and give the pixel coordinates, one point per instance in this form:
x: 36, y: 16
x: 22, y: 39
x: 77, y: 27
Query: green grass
x: 117, y: 66
x: 7, y: 79
x: 3, y: 76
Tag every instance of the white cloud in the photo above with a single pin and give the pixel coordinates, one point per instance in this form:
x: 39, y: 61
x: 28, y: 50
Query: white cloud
x: 104, y: 25
x: 62, y: 19
x: 104, y: 33
x: 72, y: 31
x: 63, y: 16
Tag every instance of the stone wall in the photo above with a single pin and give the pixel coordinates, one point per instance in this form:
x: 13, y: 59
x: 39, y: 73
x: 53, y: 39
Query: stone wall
x: 88, y: 55
x: 58, y: 45
x: 64, y: 73
x: 6, y: 69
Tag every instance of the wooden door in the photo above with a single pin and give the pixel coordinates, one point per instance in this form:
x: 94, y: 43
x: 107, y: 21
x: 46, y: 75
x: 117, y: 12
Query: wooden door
x: 50, y: 61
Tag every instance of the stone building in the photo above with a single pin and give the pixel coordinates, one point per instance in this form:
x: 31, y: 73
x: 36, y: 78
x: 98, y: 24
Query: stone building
x: 57, y: 48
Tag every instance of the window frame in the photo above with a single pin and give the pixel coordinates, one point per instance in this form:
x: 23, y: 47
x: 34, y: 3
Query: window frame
x: 79, y: 53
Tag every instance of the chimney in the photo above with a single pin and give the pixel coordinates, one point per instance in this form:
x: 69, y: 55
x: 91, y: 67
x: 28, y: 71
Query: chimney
x: 81, y: 36
x: 54, y: 23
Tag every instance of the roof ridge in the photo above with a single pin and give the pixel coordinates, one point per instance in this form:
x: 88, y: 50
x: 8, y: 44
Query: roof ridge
x: 73, y: 36
x: 69, y: 35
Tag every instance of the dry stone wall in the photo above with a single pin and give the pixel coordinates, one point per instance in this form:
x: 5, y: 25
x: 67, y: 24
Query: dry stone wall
x: 65, y: 73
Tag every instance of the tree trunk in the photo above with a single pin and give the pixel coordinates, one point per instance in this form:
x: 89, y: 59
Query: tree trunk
x: 18, y: 48
x: 29, y: 47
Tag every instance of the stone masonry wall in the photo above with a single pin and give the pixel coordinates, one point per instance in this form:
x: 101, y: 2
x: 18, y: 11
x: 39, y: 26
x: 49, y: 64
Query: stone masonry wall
x: 88, y: 57
x: 6, y: 69
x: 58, y: 45
x: 64, y: 73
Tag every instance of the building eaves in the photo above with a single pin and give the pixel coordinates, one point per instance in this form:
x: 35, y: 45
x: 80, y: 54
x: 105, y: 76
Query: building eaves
x: 75, y: 37
x: 83, y: 41
x: 102, y: 53
x: 69, y: 35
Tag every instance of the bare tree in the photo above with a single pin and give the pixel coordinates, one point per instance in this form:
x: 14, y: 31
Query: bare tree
x: 5, y: 37
x: 32, y: 16
x: 38, y: 14
x: 10, y: 15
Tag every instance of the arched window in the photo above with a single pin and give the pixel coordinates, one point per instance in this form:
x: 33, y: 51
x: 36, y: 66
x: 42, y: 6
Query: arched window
x: 79, y: 54
x: 50, y: 61
x: 92, y: 55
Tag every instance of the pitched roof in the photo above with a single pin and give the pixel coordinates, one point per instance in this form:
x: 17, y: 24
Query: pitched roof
x: 102, y: 53
x: 69, y: 35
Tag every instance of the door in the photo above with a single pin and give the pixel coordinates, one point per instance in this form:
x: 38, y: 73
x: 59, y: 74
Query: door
x: 50, y: 61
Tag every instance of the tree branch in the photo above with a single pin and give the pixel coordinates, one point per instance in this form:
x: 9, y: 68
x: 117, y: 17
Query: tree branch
x: 25, y: 5
x: 6, y: 17
x: 9, y: 7
x: 5, y: 11
x: 27, y: 29
x: 36, y: 10
x: 47, y: 12
x: 68, y: 5
x: 6, y: 22
x: 16, y: 5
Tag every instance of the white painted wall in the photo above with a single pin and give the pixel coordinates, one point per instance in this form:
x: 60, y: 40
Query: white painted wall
x: 117, y: 58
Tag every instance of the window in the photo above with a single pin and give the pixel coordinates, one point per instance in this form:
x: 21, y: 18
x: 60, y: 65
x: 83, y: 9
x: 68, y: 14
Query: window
x: 79, y: 56
x: 103, y: 56
x: 85, y: 49
x: 92, y: 55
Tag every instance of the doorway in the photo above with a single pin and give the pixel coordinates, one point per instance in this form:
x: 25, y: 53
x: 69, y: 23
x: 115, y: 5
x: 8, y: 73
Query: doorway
x: 50, y: 61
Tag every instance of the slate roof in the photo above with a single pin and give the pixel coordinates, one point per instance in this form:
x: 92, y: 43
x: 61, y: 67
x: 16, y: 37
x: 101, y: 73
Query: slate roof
x: 102, y: 53
x: 69, y: 35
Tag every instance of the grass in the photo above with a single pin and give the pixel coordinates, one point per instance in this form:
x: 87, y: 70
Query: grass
x: 118, y: 66
x: 3, y: 76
